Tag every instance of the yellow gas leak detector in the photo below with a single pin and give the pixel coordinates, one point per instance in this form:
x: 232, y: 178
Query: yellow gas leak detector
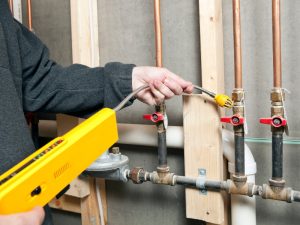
x: 45, y: 173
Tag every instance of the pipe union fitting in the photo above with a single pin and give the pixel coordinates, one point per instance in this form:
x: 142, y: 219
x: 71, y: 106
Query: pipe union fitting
x: 238, y: 95
x: 276, y: 95
x: 277, y: 110
x: 134, y: 175
x: 238, y: 110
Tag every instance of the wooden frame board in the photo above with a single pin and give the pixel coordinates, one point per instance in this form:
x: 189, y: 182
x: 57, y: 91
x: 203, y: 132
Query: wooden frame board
x: 201, y: 118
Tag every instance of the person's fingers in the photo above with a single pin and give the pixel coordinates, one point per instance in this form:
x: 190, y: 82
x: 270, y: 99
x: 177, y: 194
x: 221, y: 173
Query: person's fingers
x: 173, y: 86
x: 158, y: 97
x: 39, y: 213
x: 189, y: 89
x: 163, y: 89
x: 13, y: 219
x: 146, y: 97
x: 33, y: 217
x: 183, y: 83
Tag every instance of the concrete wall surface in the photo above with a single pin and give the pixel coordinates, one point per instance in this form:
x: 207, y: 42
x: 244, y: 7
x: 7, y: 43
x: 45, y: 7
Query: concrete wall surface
x: 256, y: 16
x: 126, y: 33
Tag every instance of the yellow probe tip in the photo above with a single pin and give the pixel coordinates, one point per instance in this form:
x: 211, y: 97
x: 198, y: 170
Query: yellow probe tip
x: 224, y: 101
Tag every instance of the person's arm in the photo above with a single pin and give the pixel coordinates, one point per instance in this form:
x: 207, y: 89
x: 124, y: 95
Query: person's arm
x: 33, y: 217
x: 49, y: 87
x: 80, y: 90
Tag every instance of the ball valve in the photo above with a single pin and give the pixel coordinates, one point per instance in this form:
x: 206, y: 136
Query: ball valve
x: 154, y: 117
x: 235, y: 120
x: 275, y: 121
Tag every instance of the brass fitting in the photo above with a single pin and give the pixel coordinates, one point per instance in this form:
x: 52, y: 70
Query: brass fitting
x: 277, y: 193
x: 162, y: 169
x: 161, y: 108
x: 277, y: 110
x: 238, y: 94
x: 277, y: 183
x: 237, y: 97
x: 277, y: 98
x: 240, y: 188
x: 239, y: 179
x: 276, y: 95
x: 238, y: 110
x: 163, y: 178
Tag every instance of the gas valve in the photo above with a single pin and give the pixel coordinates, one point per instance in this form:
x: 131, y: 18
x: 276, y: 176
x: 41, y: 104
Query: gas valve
x: 235, y: 120
x: 154, y: 117
x: 275, y: 121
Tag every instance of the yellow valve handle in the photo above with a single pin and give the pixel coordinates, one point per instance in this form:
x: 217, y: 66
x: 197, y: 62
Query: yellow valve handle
x: 223, y: 100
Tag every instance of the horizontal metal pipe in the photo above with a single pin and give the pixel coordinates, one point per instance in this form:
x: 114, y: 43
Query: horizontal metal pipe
x: 211, y: 185
x: 186, y: 181
x: 296, y: 196
x: 215, y: 185
x: 208, y: 184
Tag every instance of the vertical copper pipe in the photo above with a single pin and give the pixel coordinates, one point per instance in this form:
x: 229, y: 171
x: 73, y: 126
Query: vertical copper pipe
x: 276, y: 43
x: 158, y: 38
x: 11, y: 6
x: 237, y: 43
x: 161, y: 129
x: 29, y: 15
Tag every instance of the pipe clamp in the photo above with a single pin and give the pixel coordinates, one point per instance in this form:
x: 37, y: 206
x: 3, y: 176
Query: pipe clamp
x: 200, y: 182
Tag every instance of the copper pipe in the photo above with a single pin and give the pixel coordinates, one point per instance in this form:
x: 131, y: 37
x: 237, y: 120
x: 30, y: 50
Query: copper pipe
x: 158, y: 38
x: 11, y: 6
x: 29, y: 15
x: 237, y: 43
x: 276, y: 43
x: 162, y: 167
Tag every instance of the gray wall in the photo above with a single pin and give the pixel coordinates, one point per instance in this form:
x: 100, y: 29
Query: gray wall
x: 126, y: 35
x: 258, y: 71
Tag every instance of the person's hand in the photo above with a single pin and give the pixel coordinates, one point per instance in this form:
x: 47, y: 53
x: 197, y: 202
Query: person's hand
x: 33, y: 217
x: 163, y: 84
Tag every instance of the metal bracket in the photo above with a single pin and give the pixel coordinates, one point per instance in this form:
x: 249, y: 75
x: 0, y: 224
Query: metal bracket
x: 200, y: 183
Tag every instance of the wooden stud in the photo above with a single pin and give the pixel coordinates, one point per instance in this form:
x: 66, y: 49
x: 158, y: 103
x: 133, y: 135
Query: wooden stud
x: 102, y: 188
x: 66, y: 203
x: 89, y: 206
x: 202, y: 128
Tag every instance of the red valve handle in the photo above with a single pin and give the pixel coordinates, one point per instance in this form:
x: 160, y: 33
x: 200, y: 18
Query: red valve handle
x: 235, y: 120
x: 275, y: 121
x: 154, y: 117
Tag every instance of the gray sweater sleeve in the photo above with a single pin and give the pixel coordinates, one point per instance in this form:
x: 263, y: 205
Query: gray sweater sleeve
x: 77, y: 89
